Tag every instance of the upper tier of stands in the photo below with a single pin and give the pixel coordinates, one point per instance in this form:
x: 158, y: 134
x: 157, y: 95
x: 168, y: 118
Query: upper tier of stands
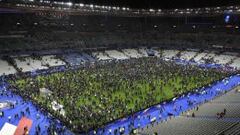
x: 31, y: 31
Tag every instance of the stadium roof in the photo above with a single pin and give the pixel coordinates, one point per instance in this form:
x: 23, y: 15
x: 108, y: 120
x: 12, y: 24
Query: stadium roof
x: 164, y: 4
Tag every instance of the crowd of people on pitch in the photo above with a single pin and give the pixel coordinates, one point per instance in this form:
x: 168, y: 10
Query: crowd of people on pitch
x: 103, y: 92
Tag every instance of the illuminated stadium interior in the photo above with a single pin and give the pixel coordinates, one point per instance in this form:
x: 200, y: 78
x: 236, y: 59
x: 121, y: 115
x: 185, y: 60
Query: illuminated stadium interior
x: 103, y: 67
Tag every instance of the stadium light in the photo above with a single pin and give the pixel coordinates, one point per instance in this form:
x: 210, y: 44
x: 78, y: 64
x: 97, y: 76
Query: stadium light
x: 69, y: 4
x: 151, y: 10
x: 81, y: 5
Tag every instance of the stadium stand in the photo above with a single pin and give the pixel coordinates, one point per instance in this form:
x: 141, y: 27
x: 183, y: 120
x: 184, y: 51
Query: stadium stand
x: 74, y: 59
x: 88, y: 57
x: 236, y: 63
x: 101, y: 56
x: 5, y: 68
x: 131, y: 53
x: 205, y: 120
x: 187, y: 55
x: 186, y: 126
x: 169, y: 54
x: 234, y: 130
x: 116, y: 54
x: 223, y: 59
x: 199, y: 57
x: 58, y: 37
x: 210, y: 55
x: 52, y: 61
x: 143, y: 52
x: 31, y: 63
x: 26, y: 64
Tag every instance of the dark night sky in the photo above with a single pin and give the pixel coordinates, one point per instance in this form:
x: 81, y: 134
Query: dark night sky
x: 160, y: 3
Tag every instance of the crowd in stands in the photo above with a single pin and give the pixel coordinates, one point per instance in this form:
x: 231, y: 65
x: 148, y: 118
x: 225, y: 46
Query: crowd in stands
x: 118, y: 40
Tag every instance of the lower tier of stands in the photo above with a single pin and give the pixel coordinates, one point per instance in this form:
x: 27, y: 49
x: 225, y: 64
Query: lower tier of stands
x: 28, y: 63
x: 205, y: 120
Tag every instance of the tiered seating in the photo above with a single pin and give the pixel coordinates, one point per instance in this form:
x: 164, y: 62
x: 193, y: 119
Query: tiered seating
x: 169, y: 54
x: 6, y: 69
x: 143, y: 52
x: 199, y: 57
x: 187, y: 55
x: 101, y: 56
x: 42, y: 62
x: 236, y: 63
x: 231, y: 53
x: 230, y: 97
x: 210, y: 55
x: 132, y: 53
x: 153, y: 51
x: 205, y: 121
x: 223, y: 59
x: 234, y: 130
x: 211, y: 110
x: 116, y: 54
x: 187, y: 126
x: 230, y: 102
x: 52, y: 61
x: 29, y: 64
x: 88, y: 57
x: 73, y: 59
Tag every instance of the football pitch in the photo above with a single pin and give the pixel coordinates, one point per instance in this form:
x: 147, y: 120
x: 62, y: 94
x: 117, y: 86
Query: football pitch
x: 94, y: 96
